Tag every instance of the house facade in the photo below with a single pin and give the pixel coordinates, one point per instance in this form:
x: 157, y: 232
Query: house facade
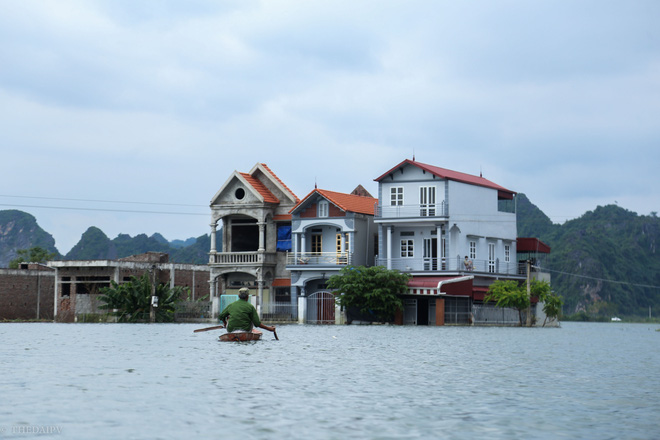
x: 250, y: 238
x: 330, y: 230
x: 454, y: 233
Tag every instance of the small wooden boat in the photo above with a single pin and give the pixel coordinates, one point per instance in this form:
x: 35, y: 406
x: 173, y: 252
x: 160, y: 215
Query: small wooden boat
x: 254, y: 335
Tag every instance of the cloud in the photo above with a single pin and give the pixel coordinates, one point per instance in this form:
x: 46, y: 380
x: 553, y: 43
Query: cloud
x: 160, y: 101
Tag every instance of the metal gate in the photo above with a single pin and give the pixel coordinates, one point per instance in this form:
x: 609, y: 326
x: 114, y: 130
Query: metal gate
x: 320, y: 308
x: 410, y: 311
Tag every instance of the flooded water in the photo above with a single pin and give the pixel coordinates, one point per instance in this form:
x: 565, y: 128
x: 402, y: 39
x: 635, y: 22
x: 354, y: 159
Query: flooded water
x: 162, y: 381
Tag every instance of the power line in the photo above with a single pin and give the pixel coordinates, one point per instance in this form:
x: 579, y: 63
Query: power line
x: 105, y: 210
x: 601, y: 279
x: 101, y: 201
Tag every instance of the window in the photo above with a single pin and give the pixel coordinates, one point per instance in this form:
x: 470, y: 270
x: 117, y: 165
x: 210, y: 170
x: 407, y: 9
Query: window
x: 317, y: 243
x: 342, y: 254
x: 427, y: 201
x: 66, y: 286
x: 323, y: 208
x: 396, y: 196
x: 284, y: 238
x: 407, y: 248
x: 491, y: 257
x: 507, y: 253
x: 473, y: 250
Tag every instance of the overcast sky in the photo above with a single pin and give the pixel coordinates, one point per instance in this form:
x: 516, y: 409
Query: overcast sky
x: 157, y: 102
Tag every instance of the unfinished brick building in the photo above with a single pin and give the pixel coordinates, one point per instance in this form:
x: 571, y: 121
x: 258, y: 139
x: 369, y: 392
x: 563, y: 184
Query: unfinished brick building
x: 78, y: 283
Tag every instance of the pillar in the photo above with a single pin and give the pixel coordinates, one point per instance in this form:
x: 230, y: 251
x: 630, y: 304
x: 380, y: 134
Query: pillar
x: 214, y: 227
x: 439, y: 311
x: 388, y: 246
x: 262, y: 235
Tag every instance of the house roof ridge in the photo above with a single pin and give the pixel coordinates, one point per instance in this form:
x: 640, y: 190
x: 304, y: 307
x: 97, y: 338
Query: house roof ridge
x: 281, y: 182
x: 346, y: 202
x: 446, y: 173
x: 259, y: 186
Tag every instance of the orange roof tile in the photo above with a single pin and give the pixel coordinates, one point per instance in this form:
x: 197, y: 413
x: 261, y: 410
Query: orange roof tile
x: 280, y: 180
x: 261, y: 188
x: 346, y: 202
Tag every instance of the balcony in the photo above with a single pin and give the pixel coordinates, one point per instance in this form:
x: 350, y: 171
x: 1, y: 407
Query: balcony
x: 316, y: 259
x: 453, y: 265
x: 434, y: 211
x: 238, y: 259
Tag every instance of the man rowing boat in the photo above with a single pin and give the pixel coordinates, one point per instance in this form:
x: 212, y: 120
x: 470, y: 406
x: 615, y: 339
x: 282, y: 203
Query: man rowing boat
x: 242, y: 315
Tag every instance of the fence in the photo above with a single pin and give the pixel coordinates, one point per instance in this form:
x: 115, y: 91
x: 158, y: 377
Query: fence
x: 192, y: 311
x: 489, y: 314
x: 279, y: 312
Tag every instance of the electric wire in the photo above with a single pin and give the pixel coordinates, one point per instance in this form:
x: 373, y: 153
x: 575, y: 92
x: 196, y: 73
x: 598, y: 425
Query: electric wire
x: 599, y: 279
x: 134, y: 211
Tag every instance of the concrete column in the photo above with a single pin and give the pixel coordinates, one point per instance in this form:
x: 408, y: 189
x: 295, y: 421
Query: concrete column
x: 302, y: 309
x: 172, y: 275
x: 57, y: 288
x: 439, y: 311
x: 438, y: 234
x: 302, y: 242
x: 213, y: 232
x: 388, y: 246
x: 262, y: 236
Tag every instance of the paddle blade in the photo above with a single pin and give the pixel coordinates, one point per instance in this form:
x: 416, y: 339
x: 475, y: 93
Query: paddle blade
x: 215, y: 327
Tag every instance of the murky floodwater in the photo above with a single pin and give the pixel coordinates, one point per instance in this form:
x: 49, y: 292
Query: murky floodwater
x: 330, y: 382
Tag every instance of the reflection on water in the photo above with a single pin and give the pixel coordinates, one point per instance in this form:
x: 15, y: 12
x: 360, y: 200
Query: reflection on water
x: 330, y: 382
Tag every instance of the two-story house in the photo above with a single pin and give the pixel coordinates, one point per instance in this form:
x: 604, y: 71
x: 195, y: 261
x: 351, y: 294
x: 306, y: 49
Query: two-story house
x: 251, y: 211
x: 453, y: 232
x: 330, y: 230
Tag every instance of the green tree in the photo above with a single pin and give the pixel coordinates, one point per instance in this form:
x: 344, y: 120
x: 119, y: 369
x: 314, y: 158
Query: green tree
x: 131, y: 301
x: 374, y: 291
x: 513, y: 295
x: 35, y: 254
x: 551, y: 303
x: 510, y: 294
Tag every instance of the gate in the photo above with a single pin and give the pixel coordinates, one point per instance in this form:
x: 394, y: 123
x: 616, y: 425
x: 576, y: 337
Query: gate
x: 320, y: 308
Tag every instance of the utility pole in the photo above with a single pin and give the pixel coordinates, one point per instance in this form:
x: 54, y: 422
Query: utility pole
x: 529, y: 293
x: 154, y: 298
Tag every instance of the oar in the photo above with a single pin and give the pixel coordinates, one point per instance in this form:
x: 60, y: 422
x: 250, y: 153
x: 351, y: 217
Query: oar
x: 275, y: 333
x: 215, y: 327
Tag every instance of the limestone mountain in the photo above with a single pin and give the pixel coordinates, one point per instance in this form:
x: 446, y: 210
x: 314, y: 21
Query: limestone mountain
x: 604, y: 263
x: 19, y: 230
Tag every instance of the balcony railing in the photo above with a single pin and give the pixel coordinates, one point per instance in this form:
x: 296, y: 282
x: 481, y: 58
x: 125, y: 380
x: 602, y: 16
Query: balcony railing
x: 242, y: 258
x: 451, y: 265
x: 318, y: 258
x: 413, y: 211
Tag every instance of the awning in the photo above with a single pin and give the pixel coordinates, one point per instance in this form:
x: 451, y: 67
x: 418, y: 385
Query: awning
x: 282, y: 282
x: 460, y: 285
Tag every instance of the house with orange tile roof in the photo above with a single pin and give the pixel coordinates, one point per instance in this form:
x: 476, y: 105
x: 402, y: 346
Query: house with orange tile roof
x: 251, y: 212
x: 329, y: 230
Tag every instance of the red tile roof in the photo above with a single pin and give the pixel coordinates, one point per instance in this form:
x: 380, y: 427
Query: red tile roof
x: 261, y: 188
x: 524, y: 244
x: 279, y: 180
x: 345, y: 202
x: 450, y: 175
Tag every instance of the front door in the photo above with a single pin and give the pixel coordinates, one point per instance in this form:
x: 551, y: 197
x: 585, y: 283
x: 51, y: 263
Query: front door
x: 430, y: 254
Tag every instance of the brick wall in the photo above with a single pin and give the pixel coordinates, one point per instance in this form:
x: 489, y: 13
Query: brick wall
x: 26, y: 294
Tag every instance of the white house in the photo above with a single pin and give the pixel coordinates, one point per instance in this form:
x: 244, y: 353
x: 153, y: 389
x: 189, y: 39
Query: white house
x: 453, y: 232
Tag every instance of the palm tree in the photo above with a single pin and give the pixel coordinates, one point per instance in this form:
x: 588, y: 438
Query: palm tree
x: 131, y: 301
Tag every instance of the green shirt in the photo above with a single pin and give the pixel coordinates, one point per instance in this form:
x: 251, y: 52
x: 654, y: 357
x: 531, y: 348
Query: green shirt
x: 242, y: 316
